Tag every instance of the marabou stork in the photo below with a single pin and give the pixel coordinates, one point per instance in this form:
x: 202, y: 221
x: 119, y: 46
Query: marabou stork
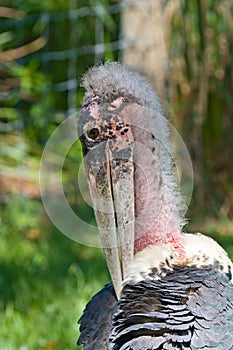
x: 170, y: 289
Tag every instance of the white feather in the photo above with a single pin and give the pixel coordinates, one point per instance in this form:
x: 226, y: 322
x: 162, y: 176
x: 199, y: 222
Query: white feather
x: 200, y: 250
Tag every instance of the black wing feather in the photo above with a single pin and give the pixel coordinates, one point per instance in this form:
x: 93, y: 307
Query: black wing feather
x: 189, y: 309
x: 95, y: 323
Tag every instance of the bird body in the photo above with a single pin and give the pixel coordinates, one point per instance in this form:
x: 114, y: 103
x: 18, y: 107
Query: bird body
x: 166, y: 303
x: 170, y: 290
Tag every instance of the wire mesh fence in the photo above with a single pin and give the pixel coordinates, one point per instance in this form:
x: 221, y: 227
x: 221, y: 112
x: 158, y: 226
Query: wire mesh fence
x: 62, y: 37
x: 43, y: 55
x: 46, y: 47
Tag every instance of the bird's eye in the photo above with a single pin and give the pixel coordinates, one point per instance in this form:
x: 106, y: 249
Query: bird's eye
x: 93, y: 133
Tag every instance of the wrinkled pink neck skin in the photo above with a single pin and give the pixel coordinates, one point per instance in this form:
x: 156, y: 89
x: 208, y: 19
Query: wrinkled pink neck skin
x: 156, y: 220
x: 153, y: 237
x: 157, y: 216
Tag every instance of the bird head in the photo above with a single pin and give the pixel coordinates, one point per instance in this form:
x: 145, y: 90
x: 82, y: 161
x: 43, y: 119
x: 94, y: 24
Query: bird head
x: 124, y: 137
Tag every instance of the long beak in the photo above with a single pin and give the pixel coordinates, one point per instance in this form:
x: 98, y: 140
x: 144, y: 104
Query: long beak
x: 110, y: 176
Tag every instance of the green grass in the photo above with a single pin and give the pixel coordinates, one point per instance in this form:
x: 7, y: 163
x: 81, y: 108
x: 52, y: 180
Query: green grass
x: 46, y: 279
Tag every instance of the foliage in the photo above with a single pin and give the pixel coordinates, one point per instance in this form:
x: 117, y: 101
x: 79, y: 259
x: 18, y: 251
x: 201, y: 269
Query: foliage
x: 201, y: 97
x: 44, y: 280
x: 52, y: 49
x: 44, y: 277
x: 47, y: 47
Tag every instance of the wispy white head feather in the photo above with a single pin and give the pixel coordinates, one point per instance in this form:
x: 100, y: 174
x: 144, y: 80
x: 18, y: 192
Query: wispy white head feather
x: 114, y: 79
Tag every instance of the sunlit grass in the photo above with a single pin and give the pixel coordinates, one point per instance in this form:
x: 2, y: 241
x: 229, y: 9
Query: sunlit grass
x: 45, y: 280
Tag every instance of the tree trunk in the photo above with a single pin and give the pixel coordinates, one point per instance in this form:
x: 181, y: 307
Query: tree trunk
x: 144, y: 37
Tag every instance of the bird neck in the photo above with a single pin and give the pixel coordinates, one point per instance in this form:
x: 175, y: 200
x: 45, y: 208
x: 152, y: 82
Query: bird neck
x: 158, y: 203
x: 157, y: 219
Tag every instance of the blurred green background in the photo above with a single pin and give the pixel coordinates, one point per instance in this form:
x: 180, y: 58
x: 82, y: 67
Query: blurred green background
x: 45, y: 47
